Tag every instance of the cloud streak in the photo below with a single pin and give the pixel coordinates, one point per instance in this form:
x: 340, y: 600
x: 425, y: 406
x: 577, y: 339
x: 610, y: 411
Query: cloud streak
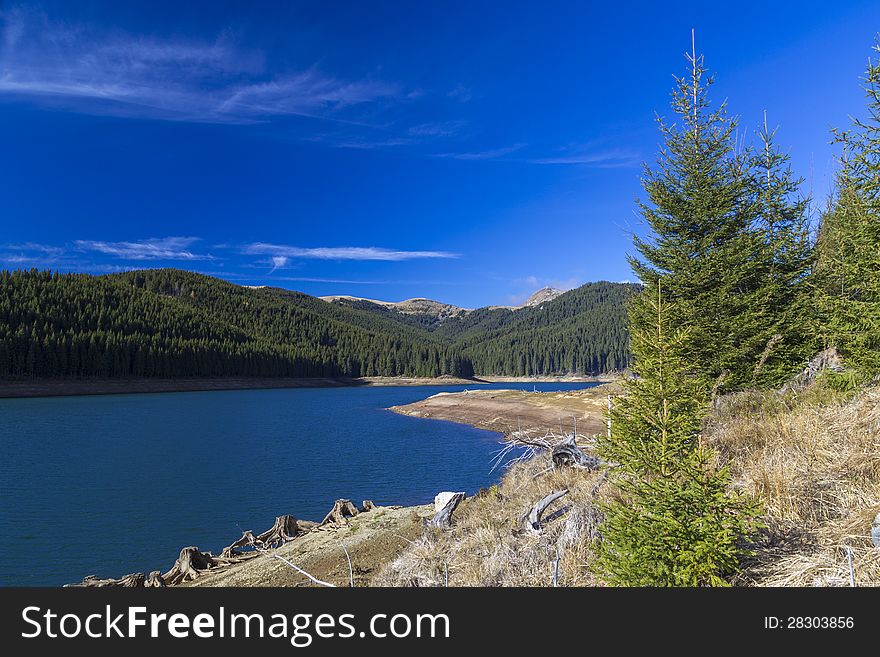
x: 611, y: 159
x: 281, y: 253
x: 165, y: 248
x: 215, y: 81
x: 490, y: 154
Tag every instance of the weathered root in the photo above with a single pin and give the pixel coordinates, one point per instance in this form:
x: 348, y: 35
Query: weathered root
x: 247, y: 540
x: 342, y: 510
x: 154, y: 580
x: 443, y: 518
x: 132, y: 581
x: 567, y: 453
x: 531, y: 522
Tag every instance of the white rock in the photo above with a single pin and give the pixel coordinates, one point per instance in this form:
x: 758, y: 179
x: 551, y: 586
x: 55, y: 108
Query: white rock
x: 441, y: 499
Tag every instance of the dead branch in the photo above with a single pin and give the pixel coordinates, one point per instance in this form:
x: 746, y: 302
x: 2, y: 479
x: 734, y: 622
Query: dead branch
x: 443, y: 518
x: 350, y: 569
x: 532, y: 520
x: 297, y: 569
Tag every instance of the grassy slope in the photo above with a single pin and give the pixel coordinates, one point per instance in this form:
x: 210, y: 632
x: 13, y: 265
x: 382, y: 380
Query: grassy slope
x: 813, y: 460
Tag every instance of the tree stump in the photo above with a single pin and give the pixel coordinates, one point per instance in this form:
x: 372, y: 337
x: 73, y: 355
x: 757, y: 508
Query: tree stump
x: 367, y: 506
x: 188, y: 566
x: 567, y: 453
x: 443, y: 518
x: 284, y: 529
x: 532, y: 520
x: 342, y: 510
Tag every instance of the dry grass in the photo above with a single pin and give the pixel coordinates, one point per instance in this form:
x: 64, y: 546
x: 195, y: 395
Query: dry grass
x: 487, y: 546
x: 812, y: 458
x: 814, y: 461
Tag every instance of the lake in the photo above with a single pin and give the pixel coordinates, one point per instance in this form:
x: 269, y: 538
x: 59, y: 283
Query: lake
x: 110, y: 485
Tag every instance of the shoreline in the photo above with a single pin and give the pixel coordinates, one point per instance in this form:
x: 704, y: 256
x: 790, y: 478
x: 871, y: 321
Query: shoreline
x: 86, y: 387
x: 523, y: 411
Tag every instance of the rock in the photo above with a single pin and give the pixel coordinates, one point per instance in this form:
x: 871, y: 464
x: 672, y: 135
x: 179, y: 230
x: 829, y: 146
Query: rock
x: 875, y: 531
x: 442, y: 499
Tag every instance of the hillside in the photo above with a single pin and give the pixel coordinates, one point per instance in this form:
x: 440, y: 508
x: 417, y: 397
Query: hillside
x: 171, y: 323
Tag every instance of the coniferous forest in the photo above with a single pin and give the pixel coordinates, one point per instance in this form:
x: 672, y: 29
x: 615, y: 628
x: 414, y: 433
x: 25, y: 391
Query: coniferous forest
x: 172, y: 323
x: 736, y: 297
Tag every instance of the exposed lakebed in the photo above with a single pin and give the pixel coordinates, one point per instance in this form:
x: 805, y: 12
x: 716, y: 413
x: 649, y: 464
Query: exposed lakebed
x: 115, y: 484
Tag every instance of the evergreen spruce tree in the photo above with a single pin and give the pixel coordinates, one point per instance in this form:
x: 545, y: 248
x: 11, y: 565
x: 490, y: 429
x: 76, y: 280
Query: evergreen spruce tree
x: 674, y: 521
x: 703, y: 249
x: 783, y: 307
x: 848, y: 247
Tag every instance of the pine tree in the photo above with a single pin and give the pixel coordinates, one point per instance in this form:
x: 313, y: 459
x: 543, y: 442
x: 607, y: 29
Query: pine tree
x: 674, y: 521
x: 702, y: 248
x: 783, y: 307
x: 848, y: 247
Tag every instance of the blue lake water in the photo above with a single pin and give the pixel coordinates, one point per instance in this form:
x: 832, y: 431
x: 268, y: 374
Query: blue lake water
x: 110, y: 485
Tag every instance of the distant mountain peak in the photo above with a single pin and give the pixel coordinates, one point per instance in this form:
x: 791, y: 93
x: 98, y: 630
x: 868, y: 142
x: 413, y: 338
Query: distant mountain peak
x: 541, y: 296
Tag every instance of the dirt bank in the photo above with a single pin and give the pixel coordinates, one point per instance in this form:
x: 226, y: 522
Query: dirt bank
x: 506, y: 411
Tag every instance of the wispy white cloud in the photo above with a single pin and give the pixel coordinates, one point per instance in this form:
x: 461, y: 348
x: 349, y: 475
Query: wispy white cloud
x: 436, y: 129
x: 339, y: 253
x: 614, y: 158
x: 88, y: 71
x: 164, y: 248
x: 490, y: 154
x: 461, y: 93
x: 42, y: 249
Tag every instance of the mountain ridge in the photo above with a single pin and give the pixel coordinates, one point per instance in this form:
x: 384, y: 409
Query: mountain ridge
x: 174, y: 323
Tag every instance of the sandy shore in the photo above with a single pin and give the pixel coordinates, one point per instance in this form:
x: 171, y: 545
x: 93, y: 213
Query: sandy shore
x: 506, y: 411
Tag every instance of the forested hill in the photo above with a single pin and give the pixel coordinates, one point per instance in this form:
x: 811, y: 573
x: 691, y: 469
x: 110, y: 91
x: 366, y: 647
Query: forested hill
x: 171, y: 323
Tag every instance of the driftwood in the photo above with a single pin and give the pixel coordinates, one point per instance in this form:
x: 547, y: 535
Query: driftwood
x: 567, y: 453
x: 132, y: 581
x: 532, y: 520
x: 342, y: 510
x: 443, y: 517
x: 367, y: 505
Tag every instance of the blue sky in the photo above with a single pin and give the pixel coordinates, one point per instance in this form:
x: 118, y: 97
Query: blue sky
x: 468, y: 152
